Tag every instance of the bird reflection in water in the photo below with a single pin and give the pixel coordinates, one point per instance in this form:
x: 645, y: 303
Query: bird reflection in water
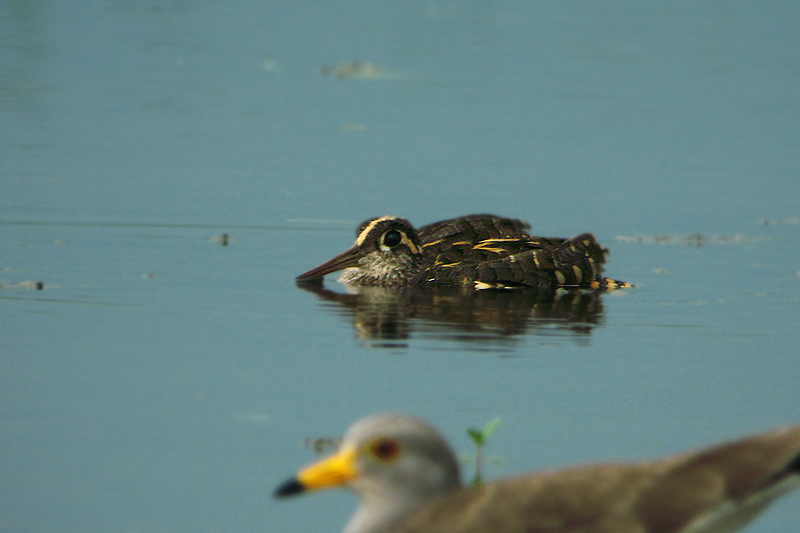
x: 387, y: 316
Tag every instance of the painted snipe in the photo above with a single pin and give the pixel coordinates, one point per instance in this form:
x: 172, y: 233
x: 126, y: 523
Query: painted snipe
x: 478, y: 251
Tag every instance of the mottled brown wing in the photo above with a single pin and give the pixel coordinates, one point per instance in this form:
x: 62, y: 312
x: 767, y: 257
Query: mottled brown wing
x: 520, y: 262
x: 471, y: 228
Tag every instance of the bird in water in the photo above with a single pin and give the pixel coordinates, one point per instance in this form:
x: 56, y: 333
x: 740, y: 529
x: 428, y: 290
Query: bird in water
x: 407, y: 480
x: 477, y: 251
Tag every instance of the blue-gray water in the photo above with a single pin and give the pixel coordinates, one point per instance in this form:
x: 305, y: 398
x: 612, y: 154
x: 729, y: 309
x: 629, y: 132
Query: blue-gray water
x: 162, y: 382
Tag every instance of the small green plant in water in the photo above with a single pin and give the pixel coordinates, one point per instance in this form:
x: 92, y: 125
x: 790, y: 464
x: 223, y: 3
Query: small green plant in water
x: 479, y: 437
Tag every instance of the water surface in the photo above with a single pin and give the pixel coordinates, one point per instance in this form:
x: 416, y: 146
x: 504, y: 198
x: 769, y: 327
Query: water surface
x: 162, y: 382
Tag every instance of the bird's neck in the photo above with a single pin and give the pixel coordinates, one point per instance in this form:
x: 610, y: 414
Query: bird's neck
x: 376, y: 516
x: 386, y: 269
x: 377, y: 512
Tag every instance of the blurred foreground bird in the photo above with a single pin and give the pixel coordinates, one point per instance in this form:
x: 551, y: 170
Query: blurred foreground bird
x: 407, y: 480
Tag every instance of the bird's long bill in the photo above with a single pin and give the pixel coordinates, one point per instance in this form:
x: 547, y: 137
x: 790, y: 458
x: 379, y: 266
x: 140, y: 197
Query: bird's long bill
x: 333, y: 471
x: 343, y: 260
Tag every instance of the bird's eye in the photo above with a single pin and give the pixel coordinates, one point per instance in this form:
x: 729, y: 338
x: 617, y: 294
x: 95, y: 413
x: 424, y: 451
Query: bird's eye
x: 392, y: 238
x: 384, y: 449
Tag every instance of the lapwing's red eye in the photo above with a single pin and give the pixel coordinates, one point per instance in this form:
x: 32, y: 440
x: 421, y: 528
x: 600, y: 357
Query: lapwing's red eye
x: 384, y: 449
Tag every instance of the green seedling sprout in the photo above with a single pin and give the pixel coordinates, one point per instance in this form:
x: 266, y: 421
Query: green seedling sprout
x: 479, y: 437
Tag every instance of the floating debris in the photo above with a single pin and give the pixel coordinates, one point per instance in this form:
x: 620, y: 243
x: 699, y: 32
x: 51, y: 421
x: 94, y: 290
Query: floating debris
x: 695, y: 239
x: 222, y: 240
x: 358, y: 70
x: 252, y: 418
x: 321, y: 444
x: 353, y: 126
x: 29, y: 285
x: 269, y: 65
x: 777, y: 221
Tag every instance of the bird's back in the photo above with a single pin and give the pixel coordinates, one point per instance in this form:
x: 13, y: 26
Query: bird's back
x: 714, y: 490
x: 486, y: 251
